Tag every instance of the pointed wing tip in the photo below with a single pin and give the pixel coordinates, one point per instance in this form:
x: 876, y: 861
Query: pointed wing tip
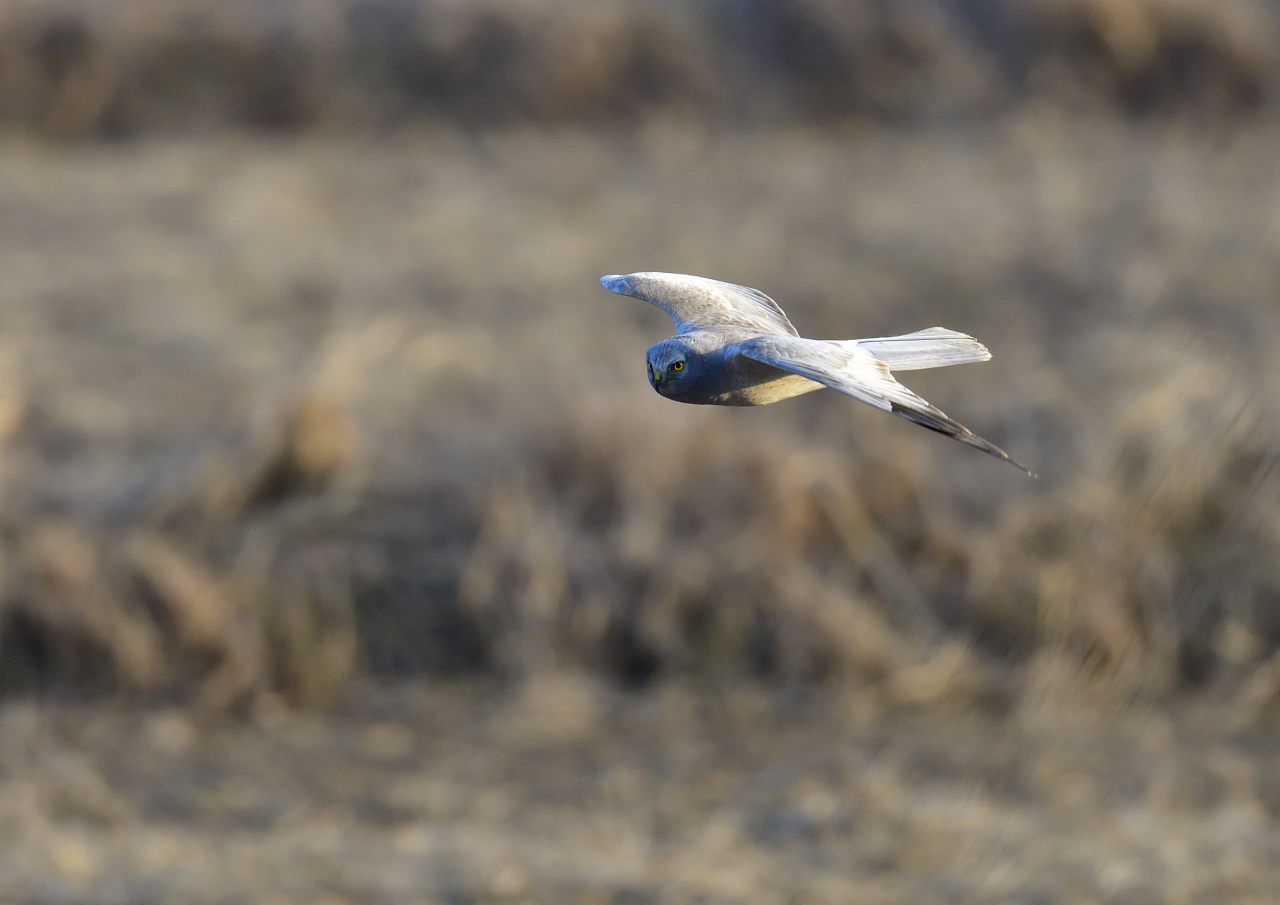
x: 1012, y: 461
x: 988, y: 447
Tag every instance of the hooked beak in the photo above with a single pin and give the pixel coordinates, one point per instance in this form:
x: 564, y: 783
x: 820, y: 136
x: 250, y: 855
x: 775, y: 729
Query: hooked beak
x: 655, y: 375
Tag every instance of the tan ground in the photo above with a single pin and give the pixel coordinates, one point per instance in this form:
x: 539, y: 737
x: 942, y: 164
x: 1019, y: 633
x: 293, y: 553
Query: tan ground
x: 283, y: 414
x: 571, y: 792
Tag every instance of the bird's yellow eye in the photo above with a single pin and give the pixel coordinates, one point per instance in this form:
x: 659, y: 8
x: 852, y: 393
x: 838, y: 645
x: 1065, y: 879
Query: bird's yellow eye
x: 677, y: 366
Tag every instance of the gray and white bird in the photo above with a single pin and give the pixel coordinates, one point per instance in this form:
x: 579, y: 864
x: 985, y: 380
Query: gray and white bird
x: 735, y: 346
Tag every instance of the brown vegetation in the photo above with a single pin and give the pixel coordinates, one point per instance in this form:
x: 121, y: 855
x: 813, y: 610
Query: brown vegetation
x: 345, y: 554
x: 437, y: 460
x: 73, y: 69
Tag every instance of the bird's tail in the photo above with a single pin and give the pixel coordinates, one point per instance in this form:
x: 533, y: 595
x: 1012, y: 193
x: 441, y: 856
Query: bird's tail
x: 936, y: 347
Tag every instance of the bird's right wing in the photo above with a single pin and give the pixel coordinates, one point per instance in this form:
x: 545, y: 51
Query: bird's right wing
x: 697, y: 303
x: 854, y: 372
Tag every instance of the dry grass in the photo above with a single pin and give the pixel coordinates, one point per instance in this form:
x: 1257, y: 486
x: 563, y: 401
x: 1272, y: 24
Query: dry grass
x: 575, y: 792
x: 286, y: 421
x: 280, y: 414
x: 71, y: 69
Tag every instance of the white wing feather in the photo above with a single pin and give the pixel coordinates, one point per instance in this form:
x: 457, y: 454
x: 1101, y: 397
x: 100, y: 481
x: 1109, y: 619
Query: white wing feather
x: 698, y: 303
x: 846, y: 367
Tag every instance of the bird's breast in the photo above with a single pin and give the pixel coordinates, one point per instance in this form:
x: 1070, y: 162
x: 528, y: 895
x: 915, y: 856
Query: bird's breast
x: 744, y: 381
x: 767, y: 391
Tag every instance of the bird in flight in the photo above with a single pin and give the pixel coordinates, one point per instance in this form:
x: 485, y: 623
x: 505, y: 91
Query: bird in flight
x: 735, y: 346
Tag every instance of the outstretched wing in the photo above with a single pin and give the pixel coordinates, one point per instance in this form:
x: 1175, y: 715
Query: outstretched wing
x: 696, y: 303
x: 856, y: 373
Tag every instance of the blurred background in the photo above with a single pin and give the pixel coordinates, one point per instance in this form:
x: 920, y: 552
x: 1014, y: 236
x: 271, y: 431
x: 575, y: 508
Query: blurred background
x: 346, y: 555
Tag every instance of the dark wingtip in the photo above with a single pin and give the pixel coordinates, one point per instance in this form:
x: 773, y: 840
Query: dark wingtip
x: 937, y: 421
x: 972, y: 439
x: 988, y: 447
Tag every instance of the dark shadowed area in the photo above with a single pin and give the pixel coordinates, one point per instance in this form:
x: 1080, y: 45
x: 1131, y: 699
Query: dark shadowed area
x: 347, y: 556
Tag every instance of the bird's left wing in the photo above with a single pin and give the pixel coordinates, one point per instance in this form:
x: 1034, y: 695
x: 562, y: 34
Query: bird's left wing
x: 696, y: 303
x: 858, y: 374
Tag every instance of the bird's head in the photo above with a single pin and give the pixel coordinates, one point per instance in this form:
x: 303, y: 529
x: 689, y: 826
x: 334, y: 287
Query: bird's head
x: 672, y: 367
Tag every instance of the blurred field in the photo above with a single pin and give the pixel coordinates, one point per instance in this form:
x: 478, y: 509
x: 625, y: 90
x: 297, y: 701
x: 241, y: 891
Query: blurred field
x: 71, y: 69
x: 345, y: 554
x: 286, y: 414
x: 577, y: 792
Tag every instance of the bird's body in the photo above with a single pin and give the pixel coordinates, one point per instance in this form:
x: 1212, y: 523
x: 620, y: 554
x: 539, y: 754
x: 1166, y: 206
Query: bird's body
x: 725, y: 378
x: 735, y: 346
